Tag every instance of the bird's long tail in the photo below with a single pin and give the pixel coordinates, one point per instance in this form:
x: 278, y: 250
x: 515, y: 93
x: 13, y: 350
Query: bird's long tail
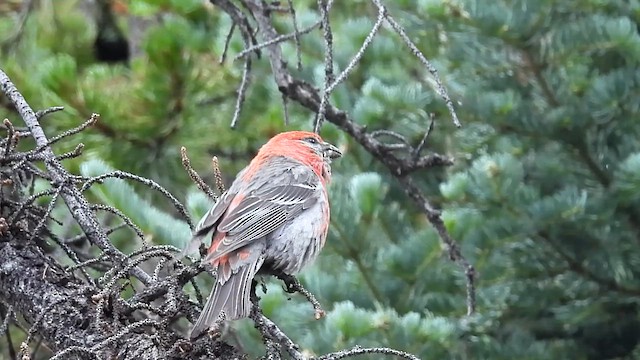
x: 231, y: 297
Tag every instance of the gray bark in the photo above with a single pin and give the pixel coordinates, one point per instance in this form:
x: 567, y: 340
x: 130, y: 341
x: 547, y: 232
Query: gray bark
x: 34, y: 284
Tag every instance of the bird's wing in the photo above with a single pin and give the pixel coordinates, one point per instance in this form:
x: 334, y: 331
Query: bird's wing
x: 274, y: 200
x: 209, y: 220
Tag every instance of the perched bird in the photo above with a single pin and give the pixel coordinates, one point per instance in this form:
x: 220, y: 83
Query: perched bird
x: 273, y: 218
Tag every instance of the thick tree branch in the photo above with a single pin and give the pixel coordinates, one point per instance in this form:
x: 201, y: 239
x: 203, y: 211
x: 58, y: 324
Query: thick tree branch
x: 91, y: 318
x: 61, y: 307
x: 77, y: 204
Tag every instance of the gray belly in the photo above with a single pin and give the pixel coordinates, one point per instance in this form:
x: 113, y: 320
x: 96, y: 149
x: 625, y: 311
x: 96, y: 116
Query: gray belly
x: 296, y: 244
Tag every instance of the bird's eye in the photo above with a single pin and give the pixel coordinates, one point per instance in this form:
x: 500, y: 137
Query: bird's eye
x: 311, y: 140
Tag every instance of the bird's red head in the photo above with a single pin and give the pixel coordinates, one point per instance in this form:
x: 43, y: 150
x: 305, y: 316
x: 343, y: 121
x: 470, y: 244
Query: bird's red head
x: 294, y: 135
x: 304, y: 146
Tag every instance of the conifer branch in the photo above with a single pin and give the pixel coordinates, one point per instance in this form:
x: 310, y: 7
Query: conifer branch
x: 356, y: 351
x: 194, y: 175
x: 53, y: 301
x: 77, y: 204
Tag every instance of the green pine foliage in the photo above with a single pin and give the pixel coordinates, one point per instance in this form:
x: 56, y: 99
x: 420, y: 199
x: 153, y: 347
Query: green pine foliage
x: 544, y: 196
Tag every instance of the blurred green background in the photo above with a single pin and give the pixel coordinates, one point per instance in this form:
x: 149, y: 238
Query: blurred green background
x: 544, y: 196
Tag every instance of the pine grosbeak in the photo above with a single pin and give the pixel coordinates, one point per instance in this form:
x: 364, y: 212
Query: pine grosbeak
x: 273, y: 218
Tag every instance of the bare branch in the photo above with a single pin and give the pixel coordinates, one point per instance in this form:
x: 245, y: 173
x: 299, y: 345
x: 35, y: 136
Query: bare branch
x: 227, y: 40
x: 42, y: 113
x: 92, y: 120
x: 83, y: 237
x: 423, y: 141
x: 124, y: 218
x: 194, y: 175
x: 285, y: 109
x: 77, y: 151
x: 242, y: 92
x: 276, y: 40
x: 7, y: 318
x: 417, y: 53
x: 73, y: 313
x: 293, y: 285
x: 356, y: 59
x: 362, y: 351
x: 9, y: 142
x: 328, y: 63
x: 271, y: 332
x: 28, y: 201
x: 296, y: 34
x: 452, y: 247
x: 147, y: 182
x: 76, y: 203
x: 239, y: 19
x: 217, y: 174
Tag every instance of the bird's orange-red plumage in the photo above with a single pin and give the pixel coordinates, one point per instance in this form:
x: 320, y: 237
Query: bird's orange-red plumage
x: 273, y: 218
x: 284, y: 144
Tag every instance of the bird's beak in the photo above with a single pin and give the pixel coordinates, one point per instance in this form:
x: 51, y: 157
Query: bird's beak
x: 331, y: 151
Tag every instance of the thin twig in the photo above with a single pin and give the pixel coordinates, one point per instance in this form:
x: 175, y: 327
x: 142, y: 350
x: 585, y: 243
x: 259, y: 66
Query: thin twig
x: 81, y: 351
x: 28, y: 201
x: 42, y: 113
x: 417, y: 53
x: 47, y: 213
x: 423, y: 141
x: 328, y: 64
x: 90, y: 122
x: 118, y: 174
x: 378, y: 133
x: 7, y: 318
x: 8, y: 146
x: 124, y: 218
x: 356, y: 59
x: 270, y: 330
x: 241, y: 21
x: 217, y: 174
x: 186, y: 163
x: 84, y: 264
x: 242, y: 92
x: 276, y: 40
x: 362, y: 351
x: 71, y: 254
x: 227, y: 40
x: 451, y: 246
x: 122, y: 273
x: 296, y: 34
x: 294, y: 285
x: 82, y: 237
x: 77, y: 151
x: 285, y: 109
x: 12, y: 350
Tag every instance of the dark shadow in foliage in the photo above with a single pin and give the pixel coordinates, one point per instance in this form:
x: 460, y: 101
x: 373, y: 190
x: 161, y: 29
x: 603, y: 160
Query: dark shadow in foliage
x: 111, y: 44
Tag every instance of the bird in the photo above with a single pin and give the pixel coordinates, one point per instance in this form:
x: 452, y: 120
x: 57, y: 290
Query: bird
x: 274, y: 218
